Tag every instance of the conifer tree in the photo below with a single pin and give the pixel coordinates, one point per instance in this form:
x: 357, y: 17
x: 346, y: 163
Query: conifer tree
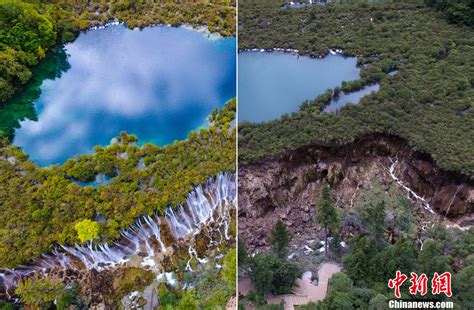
x: 375, y: 219
x: 280, y: 239
x: 326, y: 214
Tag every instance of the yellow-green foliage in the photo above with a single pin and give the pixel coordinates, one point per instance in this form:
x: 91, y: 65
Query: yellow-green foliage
x: 87, y: 230
x: 187, y: 302
x: 230, y: 268
x: 132, y: 279
x: 51, y: 204
x: 38, y: 293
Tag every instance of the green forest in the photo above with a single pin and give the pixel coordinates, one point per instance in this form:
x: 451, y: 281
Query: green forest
x: 383, y: 237
x: 374, y: 257
x: 29, y: 29
x: 456, y: 11
x: 51, y: 203
x: 429, y: 101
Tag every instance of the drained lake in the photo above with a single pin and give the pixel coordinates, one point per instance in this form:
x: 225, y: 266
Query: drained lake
x: 274, y: 83
x: 159, y: 83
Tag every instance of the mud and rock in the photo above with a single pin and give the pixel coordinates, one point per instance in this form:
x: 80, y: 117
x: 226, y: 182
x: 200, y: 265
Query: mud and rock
x: 287, y: 187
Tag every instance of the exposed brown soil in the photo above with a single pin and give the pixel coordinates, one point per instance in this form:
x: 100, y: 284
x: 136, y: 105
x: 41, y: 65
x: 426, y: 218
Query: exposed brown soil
x: 287, y: 187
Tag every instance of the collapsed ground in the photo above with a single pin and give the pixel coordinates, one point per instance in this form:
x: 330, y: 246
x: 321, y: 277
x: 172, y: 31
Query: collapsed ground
x: 428, y: 102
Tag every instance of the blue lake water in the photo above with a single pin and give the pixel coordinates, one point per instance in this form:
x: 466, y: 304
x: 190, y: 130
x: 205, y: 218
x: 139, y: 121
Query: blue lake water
x: 158, y: 83
x: 350, y: 98
x: 272, y: 83
x: 100, y: 180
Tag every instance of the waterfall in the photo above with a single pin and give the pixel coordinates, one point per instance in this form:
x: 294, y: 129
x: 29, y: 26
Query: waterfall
x: 208, y: 205
x: 410, y: 192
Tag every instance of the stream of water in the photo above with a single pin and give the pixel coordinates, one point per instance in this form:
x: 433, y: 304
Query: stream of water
x: 207, y: 206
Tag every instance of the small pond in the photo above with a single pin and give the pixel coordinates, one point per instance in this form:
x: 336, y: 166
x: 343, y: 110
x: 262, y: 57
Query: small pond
x: 350, y: 98
x: 273, y: 83
x: 158, y: 83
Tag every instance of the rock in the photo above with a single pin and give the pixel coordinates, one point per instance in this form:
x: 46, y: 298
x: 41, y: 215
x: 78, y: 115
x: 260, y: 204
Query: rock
x: 287, y: 187
x: 264, y: 24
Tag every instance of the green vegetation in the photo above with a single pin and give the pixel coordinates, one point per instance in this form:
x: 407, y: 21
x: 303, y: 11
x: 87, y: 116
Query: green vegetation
x: 230, y: 268
x: 456, y: 11
x: 386, y: 239
x: 20, y: 107
x: 25, y: 36
x: 39, y: 293
x: 213, y: 287
x: 381, y: 229
x: 272, y: 274
x: 371, y: 262
x: 428, y: 101
x: 131, y: 279
x: 326, y: 214
x: 363, y: 284
x: 28, y: 30
x: 242, y: 254
x: 280, y: 239
x: 187, y: 302
x: 217, y: 15
x: 375, y: 219
x: 52, y: 204
x: 87, y: 230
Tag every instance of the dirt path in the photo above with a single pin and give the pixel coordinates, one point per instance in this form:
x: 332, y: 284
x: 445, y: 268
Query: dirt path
x: 306, y: 292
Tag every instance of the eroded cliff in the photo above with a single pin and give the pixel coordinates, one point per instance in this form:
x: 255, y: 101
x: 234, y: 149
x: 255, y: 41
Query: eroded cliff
x: 288, y: 187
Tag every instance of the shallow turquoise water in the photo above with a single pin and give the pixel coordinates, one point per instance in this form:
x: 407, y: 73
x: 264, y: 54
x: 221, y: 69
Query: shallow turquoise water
x: 158, y: 83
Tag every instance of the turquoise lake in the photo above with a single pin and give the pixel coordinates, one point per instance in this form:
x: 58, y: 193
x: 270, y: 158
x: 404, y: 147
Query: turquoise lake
x: 274, y: 83
x: 158, y: 83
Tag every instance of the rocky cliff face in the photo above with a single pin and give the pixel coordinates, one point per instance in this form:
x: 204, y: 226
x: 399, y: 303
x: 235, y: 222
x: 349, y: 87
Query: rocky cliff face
x: 288, y: 187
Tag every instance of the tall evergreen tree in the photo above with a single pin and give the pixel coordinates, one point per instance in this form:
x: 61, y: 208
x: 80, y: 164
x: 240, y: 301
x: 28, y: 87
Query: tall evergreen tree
x: 375, y: 219
x: 280, y: 239
x: 431, y: 258
x: 326, y: 214
x: 242, y: 254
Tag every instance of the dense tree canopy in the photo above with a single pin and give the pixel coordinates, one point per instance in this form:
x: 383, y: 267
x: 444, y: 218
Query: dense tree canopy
x: 456, y: 11
x: 273, y: 274
x: 25, y: 36
x: 28, y: 29
x: 51, y: 201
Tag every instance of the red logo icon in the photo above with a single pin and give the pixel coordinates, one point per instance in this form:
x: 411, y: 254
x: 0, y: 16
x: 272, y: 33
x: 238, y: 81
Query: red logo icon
x: 419, y: 284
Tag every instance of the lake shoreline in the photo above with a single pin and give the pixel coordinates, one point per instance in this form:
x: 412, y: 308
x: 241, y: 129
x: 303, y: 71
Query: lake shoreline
x: 348, y: 88
x: 150, y: 91
x: 332, y: 51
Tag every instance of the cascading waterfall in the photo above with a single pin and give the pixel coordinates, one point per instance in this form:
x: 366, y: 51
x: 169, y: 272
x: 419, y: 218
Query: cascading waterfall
x: 209, y: 204
x: 410, y: 192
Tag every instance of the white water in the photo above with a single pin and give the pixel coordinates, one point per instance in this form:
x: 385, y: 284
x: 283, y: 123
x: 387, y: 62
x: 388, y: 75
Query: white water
x: 411, y: 193
x: 207, y: 205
